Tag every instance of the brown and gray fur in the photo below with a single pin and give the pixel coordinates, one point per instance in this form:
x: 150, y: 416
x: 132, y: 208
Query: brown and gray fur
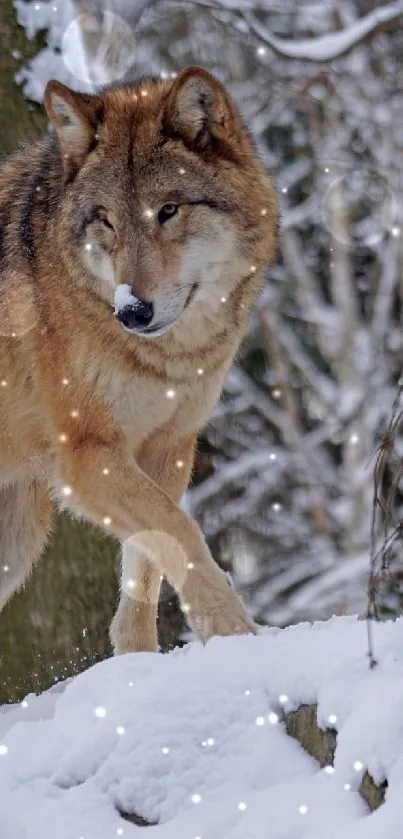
x: 97, y: 419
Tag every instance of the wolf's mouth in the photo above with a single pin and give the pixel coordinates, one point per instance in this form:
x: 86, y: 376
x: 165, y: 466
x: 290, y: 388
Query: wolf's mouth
x: 191, y: 295
x: 156, y: 329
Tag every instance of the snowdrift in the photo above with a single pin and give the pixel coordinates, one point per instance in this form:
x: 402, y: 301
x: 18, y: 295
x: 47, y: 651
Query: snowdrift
x: 194, y: 744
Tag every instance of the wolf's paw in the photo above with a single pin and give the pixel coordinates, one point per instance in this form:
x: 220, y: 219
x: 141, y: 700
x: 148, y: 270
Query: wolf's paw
x: 238, y: 623
x: 217, y: 610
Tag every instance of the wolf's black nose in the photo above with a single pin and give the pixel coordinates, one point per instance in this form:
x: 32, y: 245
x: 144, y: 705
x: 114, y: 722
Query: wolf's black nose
x: 137, y: 314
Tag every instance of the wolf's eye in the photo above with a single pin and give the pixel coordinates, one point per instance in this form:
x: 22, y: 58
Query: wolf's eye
x: 102, y: 216
x: 167, y: 211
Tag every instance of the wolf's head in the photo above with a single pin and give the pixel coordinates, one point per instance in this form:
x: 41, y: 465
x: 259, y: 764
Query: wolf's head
x: 164, y: 193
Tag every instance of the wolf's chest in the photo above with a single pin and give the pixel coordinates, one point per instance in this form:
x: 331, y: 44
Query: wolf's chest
x: 139, y: 407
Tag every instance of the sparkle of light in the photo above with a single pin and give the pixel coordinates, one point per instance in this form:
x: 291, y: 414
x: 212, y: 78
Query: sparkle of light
x: 3, y: 749
x: 332, y: 719
x: 65, y: 382
x: 354, y: 439
x: 261, y: 50
x: 283, y: 699
x: 276, y: 506
x: 276, y: 393
x: 144, y: 92
x: 120, y: 831
x: 63, y: 438
x: 100, y: 712
x: 196, y: 798
x: 210, y: 741
x: 190, y: 565
x: 358, y: 765
x: 170, y: 394
x: 223, y: 300
x: 263, y: 212
x: 24, y: 703
x: 395, y: 232
x: 74, y: 414
x: 6, y: 568
x: 165, y: 750
x: 347, y: 787
x: 200, y: 371
x: 120, y: 729
x: 4, y: 383
x: 303, y: 809
x: 105, y: 471
x: 179, y: 464
x: 273, y: 456
x: 253, y: 269
x: 130, y: 583
x: 66, y: 491
x: 327, y: 169
x: 329, y: 770
x: 107, y: 521
x: 259, y: 720
x: 242, y: 805
x: 273, y: 718
x: 284, y: 190
x: 88, y: 246
x: 181, y: 170
x: 148, y: 213
x: 247, y: 693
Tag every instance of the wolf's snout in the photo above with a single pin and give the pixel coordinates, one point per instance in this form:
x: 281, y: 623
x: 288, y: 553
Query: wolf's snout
x: 136, y: 314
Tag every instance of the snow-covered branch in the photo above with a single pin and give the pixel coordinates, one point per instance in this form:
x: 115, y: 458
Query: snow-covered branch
x: 330, y: 46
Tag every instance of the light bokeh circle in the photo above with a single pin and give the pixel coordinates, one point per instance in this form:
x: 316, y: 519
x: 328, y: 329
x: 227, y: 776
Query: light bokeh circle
x: 98, y: 52
x: 358, y: 206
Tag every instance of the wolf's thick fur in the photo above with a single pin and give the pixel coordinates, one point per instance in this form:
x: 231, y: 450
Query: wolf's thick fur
x: 97, y: 418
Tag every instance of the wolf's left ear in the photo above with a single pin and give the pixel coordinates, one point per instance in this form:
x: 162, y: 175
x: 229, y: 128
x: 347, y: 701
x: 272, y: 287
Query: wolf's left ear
x: 75, y: 117
x: 199, y: 107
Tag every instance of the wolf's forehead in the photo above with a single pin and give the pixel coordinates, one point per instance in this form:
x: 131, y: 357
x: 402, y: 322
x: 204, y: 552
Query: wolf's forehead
x: 131, y: 130
x: 134, y: 106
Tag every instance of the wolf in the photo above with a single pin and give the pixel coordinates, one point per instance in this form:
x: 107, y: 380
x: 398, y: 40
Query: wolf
x: 155, y: 186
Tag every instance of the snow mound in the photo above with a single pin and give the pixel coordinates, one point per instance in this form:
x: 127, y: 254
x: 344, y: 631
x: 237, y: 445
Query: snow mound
x: 194, y: 741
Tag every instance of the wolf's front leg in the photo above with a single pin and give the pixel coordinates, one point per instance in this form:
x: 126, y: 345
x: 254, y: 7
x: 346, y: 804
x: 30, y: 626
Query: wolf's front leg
x: 135, y: 506
x: 134, y: 627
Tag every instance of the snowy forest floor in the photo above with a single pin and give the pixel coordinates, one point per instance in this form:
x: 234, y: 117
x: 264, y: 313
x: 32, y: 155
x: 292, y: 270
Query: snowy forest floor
x: 194, y: 742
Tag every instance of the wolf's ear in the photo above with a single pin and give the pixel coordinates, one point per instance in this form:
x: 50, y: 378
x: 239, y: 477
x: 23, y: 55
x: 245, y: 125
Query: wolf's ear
x: 199, y: 107
x: 75, y: 117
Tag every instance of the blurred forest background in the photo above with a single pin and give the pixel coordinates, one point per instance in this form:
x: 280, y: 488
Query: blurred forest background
x: 283, y: 487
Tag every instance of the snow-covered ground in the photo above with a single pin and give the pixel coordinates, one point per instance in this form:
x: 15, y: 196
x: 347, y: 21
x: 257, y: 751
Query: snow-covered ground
x: 193, y: 740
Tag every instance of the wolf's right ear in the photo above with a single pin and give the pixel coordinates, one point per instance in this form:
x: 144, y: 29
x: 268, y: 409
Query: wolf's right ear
x: 75, y: 117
